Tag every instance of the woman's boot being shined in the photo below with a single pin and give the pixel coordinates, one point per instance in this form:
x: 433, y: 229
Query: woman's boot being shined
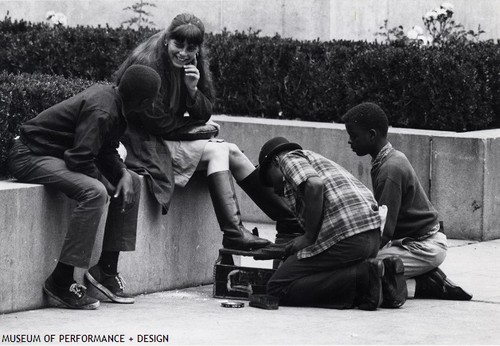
x: 271, y: 204
x: 236, y: 236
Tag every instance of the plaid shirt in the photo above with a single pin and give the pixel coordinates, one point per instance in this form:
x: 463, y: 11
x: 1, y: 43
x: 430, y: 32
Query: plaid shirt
x: 349, y: 207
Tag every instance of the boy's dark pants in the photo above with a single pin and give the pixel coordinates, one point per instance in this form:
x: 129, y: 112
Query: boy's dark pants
x: 92, y: 198
x: 327, y: 279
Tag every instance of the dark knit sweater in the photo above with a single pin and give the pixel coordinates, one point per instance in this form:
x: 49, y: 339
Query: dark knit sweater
x: 396, y: 185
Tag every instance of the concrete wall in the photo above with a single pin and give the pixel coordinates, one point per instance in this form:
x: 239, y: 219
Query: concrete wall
x: 311, y: 19
x: 179, y: 249
x: 459, y: 170
x: 361, y: 19
x: 172, y: 251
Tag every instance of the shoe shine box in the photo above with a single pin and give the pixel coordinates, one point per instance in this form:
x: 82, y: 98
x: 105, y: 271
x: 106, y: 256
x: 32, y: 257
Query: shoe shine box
x: 233, y: 281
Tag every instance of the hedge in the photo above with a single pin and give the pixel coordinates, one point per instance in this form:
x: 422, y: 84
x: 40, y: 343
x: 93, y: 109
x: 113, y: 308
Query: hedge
x: 453, y: 87
x: 450, y: 88
x: 81, y: 52
x: 23, y: 96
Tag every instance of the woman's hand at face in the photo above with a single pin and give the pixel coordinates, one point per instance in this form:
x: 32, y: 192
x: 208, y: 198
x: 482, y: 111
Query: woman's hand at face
x: 191, y: 77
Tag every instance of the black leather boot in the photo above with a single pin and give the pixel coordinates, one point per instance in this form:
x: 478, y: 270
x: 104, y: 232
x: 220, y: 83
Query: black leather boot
x: 227, y: 210
x: 394, y: 283
x: 271, y: 204
x: 435, y: 285
x: 369, y: 275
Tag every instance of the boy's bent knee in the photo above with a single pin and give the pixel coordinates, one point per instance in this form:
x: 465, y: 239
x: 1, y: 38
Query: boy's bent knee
x: 274, y: 288
x: 438, y: 259
x: 95, y: 194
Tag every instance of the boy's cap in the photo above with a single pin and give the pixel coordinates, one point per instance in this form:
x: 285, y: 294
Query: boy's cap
x: 270, y: 149
x: 139, y: 82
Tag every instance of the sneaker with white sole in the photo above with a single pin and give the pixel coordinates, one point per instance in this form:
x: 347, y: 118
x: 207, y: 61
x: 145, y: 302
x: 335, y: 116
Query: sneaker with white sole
x: 111, y: 286
x: 74, y: 296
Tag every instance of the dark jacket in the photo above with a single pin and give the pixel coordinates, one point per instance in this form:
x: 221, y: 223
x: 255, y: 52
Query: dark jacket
x: 147, y: 153
x: 84, y: 130
x: 163, y: 119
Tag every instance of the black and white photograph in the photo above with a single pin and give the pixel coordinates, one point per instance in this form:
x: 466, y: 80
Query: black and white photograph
x: 249, y: 172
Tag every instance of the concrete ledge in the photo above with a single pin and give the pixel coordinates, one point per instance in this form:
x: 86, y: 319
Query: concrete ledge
x: 459, y: 170
x: 173, y: 251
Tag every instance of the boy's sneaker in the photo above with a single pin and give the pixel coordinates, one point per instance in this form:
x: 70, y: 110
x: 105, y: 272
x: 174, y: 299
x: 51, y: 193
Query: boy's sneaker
x: 73, y: 297
x: 110, y: 285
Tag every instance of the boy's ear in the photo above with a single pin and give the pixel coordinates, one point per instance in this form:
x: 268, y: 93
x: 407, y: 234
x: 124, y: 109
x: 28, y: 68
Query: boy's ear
x: 373, y: 133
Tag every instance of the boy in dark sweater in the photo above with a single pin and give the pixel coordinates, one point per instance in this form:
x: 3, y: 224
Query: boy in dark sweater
x: 72, y: 147
x: 412, y: 229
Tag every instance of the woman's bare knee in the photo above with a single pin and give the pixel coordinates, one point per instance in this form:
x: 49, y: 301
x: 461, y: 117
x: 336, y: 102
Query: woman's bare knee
x: 215, y: 151
x: 239, y: 164
x: 235, y: 152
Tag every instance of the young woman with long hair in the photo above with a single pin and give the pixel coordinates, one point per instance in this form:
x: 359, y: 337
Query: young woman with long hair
x: 185, y: 99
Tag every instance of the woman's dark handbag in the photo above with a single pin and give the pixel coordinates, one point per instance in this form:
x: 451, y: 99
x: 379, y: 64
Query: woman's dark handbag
x: 194, y: 132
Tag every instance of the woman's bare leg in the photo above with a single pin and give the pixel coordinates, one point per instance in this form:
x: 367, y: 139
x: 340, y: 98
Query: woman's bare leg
x: 215, y: 157
x: 239, y: 164
x: 220, y: 184
x: 223, y: 156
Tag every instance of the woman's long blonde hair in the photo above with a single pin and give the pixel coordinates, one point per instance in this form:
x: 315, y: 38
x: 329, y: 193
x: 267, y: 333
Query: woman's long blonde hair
x: 153, y: 51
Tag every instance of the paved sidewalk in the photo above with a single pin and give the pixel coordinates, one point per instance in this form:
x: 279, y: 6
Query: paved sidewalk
x: 192, y: 316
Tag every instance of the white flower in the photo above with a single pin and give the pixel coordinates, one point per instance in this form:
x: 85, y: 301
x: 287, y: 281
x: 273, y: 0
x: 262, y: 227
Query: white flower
x: 441, y: 12
x: 49, y: 14
x: 59, y: 19
x: 431, y: 15
x: 447, y: 6
x: 56, y: 18
x: 412, y: 34
x: 418, y: 29
x: 424, y: 39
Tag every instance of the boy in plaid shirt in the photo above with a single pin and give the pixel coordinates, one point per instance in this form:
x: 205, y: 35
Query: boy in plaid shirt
x: 333, y: 264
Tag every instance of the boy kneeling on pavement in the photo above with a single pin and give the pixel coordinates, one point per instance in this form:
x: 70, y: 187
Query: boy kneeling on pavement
x: 333, y: 264
x: 412, y: 231
x: 72, y: 147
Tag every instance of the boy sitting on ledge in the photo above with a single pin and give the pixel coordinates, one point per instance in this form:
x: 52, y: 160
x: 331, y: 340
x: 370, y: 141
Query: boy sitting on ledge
x: 412, y: 230
x: 72, y: 147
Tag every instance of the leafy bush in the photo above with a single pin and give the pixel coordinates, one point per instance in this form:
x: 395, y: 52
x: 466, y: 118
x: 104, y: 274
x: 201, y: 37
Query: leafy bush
x: 276, y: 77
x: 141, y: 16
x: 453, y: 86
x: 82, y: 52
x: 424, y: 88
x: 440, y: 26
x: 23, y: 96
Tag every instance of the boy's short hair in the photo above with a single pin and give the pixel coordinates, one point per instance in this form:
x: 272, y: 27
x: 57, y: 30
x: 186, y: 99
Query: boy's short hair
x: 139, y: 82
x: 369, y: 116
